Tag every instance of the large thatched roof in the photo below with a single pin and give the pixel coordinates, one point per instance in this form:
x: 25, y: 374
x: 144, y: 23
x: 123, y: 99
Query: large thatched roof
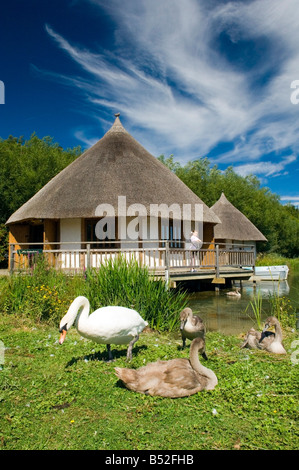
x: 234, y: 225
x: 117, y: 165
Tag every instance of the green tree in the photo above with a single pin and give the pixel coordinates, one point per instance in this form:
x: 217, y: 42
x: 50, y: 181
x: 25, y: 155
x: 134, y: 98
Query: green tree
x: 25, y: 167
x: 279, y: 224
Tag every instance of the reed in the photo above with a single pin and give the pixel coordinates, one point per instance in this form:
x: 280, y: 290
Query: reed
x: 122, y: 282
x: 278, y: 306
x: 257, y: 309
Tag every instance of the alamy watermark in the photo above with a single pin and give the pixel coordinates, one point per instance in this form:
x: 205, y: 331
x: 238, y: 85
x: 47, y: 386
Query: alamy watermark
x: 295, y: 94
x: 294, y: 358
x: 136, y: 222
x: 2, y: 92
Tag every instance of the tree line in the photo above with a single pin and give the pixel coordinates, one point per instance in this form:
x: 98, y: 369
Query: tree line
x: 278, y: 223
x: 27, y: 165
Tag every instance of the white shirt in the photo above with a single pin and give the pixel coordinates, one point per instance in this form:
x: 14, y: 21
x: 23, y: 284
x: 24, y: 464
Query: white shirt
x: 195, y: 243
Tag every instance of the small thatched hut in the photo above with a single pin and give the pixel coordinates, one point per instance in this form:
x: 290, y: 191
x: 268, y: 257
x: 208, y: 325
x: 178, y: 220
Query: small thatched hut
x: 116, y: 173
x: 235, y: 228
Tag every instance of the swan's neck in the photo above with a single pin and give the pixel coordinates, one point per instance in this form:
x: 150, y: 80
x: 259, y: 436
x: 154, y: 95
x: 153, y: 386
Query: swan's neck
x: 278, y: 333
x: 202, y: 370
x: 78, y: 312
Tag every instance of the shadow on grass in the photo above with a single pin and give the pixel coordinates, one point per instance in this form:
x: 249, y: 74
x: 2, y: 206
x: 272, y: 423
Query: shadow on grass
x: 120, y: 384
x: 103, y: 355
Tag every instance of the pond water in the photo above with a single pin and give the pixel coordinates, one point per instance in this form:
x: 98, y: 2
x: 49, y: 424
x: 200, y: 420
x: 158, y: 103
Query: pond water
x: 227, y: 314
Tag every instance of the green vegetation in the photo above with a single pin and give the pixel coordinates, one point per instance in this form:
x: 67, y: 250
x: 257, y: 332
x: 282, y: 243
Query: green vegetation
x: 279, y: 223
x: 282, y: 309
x: 121, y: 283
x: 256, y: 307
x: 274, y: 259
x: 67, y: 397
x: 42, y: 295
x: 279, y: 307
x: 25, y: 167
x: 45, y: 294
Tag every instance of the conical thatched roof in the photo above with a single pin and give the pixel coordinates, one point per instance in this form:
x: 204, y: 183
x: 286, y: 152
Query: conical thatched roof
x: 117, y: 165
x: 234, y: 225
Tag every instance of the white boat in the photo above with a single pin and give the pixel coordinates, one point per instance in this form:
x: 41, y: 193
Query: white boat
x: 271, y: 273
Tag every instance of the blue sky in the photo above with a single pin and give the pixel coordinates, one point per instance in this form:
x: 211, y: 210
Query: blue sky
x: 191, y: 78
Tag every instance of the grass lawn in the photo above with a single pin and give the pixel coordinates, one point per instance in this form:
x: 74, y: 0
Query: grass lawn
x: 68, y: 397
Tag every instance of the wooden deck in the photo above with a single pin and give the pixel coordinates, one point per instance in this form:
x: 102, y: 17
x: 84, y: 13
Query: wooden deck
x: 214, y: 263
x: 207, y: 275
x: 210, y: 274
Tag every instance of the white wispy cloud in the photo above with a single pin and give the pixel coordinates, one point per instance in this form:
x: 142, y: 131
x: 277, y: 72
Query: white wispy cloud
x: 294, y: 200
x: 169, y: 74
x: 265, y: 168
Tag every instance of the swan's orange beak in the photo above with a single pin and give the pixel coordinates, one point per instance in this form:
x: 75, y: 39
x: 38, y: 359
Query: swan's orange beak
x: 62, y: 336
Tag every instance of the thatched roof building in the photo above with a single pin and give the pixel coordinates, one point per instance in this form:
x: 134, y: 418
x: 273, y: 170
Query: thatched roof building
x: 64, y: 215
x: 234, y: 226
x: 116, y: 165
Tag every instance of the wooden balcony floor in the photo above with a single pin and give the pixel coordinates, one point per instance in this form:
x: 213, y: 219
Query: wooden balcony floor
x: 185, y: 274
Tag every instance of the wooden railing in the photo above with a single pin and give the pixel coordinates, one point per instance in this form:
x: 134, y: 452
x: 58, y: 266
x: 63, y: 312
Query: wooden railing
x: 160, y: 255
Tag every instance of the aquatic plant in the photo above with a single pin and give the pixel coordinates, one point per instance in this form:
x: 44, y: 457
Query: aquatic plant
x: 257, y: 309
x: 282, y: 309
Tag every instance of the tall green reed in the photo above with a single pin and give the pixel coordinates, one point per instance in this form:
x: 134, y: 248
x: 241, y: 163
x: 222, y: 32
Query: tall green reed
x: 125, y: 283
x: 257, y: 309
x: 277, y: 306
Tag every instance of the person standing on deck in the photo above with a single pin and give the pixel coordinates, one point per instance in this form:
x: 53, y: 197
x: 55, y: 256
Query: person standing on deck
x: 195, y: 244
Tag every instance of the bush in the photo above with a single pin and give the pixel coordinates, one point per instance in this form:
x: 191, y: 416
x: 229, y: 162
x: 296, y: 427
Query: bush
x: 44, y: 294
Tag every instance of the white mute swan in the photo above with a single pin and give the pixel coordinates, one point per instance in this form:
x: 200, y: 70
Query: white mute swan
x: 173, y: 379
x: 106, y: 325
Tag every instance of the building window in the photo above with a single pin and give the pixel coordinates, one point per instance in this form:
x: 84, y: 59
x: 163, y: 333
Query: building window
x: 171, y: 230
x: 90, y: 236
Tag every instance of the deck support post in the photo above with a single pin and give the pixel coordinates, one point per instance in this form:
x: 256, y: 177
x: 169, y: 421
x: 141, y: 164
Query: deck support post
x: 217, y: 260
x: 87, y: 255
x: 217, y: 288
x: 11, y: 257
x: 167, y: 264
